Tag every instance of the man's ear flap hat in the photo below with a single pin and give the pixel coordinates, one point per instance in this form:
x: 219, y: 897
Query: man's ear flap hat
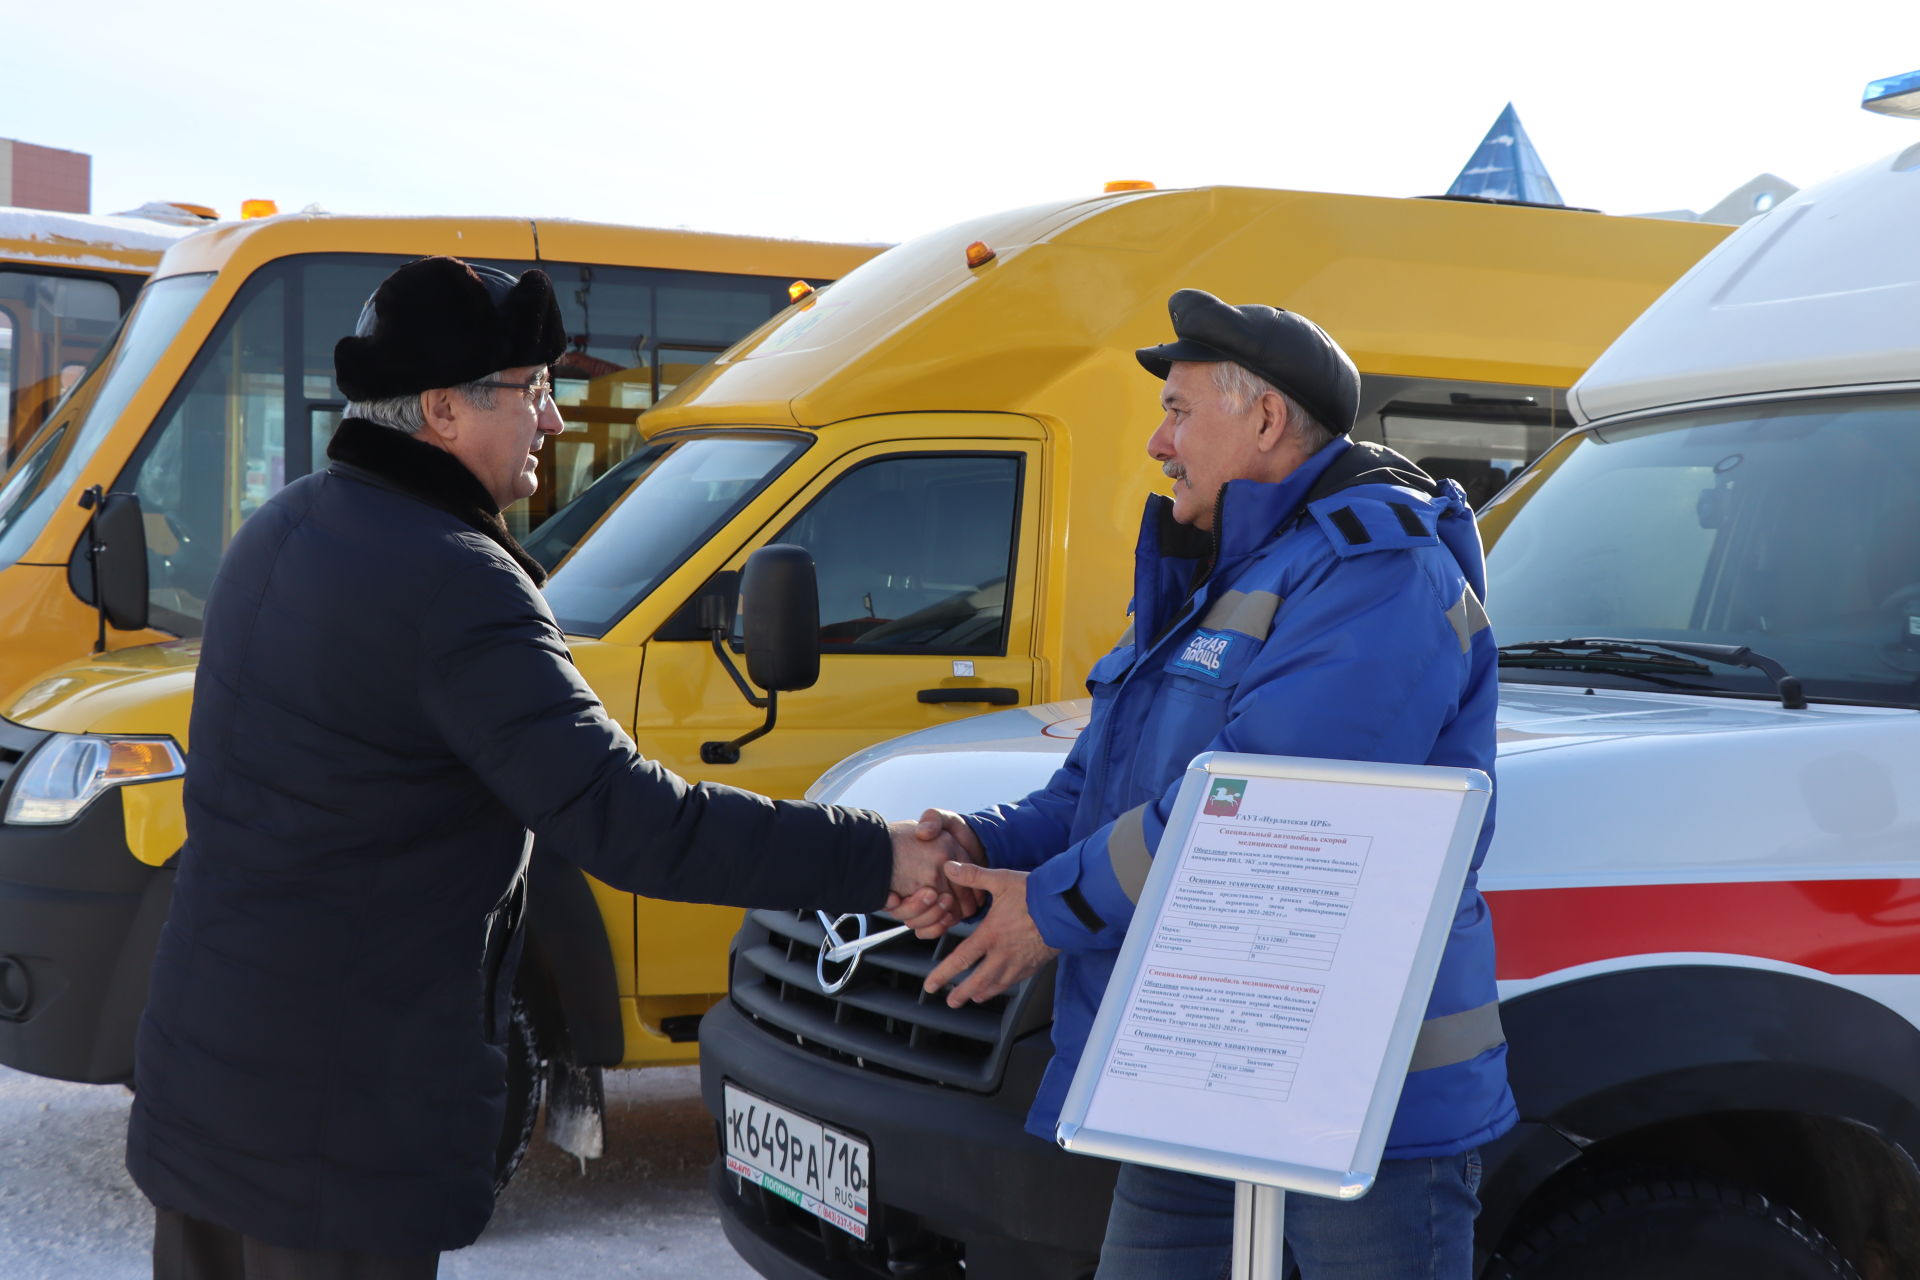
x: 441, y: 322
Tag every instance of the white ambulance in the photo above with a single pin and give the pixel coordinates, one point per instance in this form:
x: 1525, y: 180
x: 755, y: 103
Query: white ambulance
x: 1706, y: 875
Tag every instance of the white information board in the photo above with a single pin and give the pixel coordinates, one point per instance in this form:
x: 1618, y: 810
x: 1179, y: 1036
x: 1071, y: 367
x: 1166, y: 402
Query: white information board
x: 1266, y: 1001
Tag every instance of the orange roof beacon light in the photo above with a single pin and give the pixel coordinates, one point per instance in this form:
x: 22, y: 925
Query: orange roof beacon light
x: 978, y: 255
x: 258, y: 209
x: 1127, y: 184
x: 798, y: 290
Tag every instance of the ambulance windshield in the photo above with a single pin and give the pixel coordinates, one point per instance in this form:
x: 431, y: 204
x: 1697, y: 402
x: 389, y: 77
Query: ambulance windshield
x: 1793, y: 528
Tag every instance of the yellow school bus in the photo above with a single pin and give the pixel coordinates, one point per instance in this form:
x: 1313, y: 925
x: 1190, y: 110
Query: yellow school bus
x: 955, y: 431
x: 65, y: 281
x: 221, y: 388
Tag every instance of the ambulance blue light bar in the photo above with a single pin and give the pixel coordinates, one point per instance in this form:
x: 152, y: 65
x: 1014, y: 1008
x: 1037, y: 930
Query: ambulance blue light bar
x: 1894, y: 96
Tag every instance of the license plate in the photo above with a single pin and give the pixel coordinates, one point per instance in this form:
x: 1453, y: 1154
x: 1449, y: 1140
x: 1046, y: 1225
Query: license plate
x: 814, y: 1165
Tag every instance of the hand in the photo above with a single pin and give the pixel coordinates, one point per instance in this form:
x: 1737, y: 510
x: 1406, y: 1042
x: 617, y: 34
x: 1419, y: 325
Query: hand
x: 935, y: 821
x: 931, y: 912
x: 920, y: 894
x: 1003, y: 949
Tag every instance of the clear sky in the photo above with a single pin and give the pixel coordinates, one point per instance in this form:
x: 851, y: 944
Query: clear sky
x: 842, y: 119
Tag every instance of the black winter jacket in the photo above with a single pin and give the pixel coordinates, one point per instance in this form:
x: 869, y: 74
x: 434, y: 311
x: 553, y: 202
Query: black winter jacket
x: 385, y: 717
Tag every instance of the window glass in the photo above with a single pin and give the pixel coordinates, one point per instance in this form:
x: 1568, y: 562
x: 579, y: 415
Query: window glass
x: 332, y: 290
x: 668, y: 503
x: 633, y: 334
x: 913, y: 553
x: 6, y: 385
x: 217, y: 453
x: 1476, y: 433
x: 162, y: 308
x: 54, y: 326
x: 1791, y: 529
x: 718, y: 311
x: 21, y: 483
x: 223, y: 445
x: 562, y: 531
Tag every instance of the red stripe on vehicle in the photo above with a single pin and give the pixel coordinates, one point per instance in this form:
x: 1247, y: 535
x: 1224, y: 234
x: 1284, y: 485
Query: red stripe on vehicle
x: 1837, y: 926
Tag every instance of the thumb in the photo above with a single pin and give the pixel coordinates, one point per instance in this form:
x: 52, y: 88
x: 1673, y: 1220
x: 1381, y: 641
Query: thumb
x: 973, y: 876
x: 931, y: 824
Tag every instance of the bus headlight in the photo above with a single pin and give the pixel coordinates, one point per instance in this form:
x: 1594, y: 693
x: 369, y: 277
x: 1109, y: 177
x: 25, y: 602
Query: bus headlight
x: 67, y: 771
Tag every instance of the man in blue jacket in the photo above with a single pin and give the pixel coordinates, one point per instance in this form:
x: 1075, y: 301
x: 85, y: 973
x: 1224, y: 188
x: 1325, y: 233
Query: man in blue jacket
x: 1299, y: 595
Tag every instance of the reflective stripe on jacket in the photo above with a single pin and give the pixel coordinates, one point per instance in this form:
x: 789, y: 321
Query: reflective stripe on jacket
x: 1342, y: 619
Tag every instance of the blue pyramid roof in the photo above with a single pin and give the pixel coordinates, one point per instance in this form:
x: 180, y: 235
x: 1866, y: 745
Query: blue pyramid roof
x: 1506, y: 167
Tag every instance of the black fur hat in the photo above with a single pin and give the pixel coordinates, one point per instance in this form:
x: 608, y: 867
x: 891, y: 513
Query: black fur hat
x: 439, y: 322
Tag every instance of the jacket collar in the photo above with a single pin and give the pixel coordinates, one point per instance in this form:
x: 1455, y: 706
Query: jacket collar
x: 1258, y: 508
x: 395, y: 460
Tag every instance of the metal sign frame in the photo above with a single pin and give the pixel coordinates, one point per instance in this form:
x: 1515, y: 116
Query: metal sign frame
x: 1474, y: 790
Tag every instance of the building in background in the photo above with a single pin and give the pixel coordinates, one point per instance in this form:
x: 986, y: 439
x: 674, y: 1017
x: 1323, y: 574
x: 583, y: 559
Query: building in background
x: 36, y: 177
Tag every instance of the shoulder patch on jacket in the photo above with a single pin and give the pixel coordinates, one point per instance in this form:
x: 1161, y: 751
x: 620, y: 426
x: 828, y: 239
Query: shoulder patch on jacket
x: 1356, y: 525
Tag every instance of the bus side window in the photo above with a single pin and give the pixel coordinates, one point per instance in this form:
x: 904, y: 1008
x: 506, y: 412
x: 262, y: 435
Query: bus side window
x: 332, y: 292
x: 51, y: 328
x: 634, y: 334
x: 7, y: 411
x: 1478, y: 434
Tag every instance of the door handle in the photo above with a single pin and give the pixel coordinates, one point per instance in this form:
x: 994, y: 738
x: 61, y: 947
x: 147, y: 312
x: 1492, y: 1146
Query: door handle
x: 992, y: 697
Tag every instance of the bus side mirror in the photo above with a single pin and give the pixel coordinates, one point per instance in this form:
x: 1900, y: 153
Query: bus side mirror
x: 780, y: 618
x: 780, y: 630
x: 117, y: 554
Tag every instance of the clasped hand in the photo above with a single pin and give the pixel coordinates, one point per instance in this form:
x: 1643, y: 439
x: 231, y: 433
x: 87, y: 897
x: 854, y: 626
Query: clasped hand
x: 1003, y: 949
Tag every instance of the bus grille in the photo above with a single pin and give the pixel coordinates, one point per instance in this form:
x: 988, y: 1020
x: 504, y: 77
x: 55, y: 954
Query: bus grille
x: 881, y: 1018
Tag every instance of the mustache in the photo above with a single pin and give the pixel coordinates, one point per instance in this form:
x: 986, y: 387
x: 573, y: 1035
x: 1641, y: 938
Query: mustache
x: 1173, y: 470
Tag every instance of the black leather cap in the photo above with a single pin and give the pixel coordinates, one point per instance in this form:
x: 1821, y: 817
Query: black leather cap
x: 1288, y: 350
x: 439, y: 322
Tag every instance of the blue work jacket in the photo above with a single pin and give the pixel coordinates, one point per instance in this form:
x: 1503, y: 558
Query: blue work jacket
x: 1336, y: 614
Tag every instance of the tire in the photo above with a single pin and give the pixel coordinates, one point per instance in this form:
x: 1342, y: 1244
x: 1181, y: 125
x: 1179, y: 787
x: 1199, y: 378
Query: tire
x: 1678, y: 1227
x: 525, y: 1082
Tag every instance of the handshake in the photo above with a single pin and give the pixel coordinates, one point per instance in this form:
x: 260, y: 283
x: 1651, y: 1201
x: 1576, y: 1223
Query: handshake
x: 941, y: 877
x: 933, y: 888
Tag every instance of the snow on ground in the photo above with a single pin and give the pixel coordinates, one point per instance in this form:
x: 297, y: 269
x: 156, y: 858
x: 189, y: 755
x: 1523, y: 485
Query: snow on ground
x: 68, y: 1211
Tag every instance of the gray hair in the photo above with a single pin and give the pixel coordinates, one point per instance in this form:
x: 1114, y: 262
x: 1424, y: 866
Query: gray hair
x: 403, y: 413
x: 1239, y: 387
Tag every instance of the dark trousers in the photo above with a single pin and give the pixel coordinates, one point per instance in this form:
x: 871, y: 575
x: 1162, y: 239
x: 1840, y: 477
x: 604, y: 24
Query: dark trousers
x: 188, y: 1249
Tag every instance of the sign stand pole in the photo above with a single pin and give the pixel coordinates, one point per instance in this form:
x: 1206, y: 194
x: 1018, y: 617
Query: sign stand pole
x: 1259, y: 1214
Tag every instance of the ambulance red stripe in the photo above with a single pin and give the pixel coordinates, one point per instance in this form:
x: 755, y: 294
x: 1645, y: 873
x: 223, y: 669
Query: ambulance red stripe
x: 1836, y: 926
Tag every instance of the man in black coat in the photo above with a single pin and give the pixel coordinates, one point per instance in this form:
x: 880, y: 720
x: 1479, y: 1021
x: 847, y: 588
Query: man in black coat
x: 385, y: 718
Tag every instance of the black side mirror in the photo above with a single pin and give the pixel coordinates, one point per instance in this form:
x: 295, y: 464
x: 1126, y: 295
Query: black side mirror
x: 780, y: 618
x: 780, y: 624
x: 117, y: 555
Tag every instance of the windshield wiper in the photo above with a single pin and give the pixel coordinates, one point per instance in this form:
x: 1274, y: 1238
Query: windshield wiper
x: 1634, y: 655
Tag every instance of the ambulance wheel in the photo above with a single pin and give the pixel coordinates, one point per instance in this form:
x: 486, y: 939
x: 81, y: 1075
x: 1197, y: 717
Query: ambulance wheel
x: 1670, y: 1228
x: 524, y: 1081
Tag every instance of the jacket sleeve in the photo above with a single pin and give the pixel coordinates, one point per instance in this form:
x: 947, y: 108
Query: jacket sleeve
x: 1363, y: 665
x: 497, y: 681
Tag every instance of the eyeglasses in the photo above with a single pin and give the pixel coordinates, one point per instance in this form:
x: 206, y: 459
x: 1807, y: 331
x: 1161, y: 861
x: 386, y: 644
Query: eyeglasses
x: 538, y: 391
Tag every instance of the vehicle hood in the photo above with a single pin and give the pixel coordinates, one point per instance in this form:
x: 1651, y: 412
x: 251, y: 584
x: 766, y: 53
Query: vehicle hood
x: 148, y: 689
x: 1592, y: 788
x: 144, y: 689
